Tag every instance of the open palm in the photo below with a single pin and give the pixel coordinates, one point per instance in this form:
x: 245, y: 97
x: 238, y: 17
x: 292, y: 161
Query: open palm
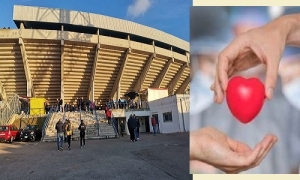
x: 226, y: 154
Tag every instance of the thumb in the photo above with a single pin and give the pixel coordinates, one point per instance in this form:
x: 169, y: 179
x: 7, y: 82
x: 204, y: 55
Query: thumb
x: 271, y: 78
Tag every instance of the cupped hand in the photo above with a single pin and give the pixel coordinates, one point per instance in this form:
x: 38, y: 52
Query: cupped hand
x: 213, y: 147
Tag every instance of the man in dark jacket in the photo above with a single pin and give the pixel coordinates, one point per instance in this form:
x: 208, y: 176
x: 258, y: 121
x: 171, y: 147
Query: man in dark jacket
x: 131, y: 126
x: 82, y: 128
x: 60, y: 134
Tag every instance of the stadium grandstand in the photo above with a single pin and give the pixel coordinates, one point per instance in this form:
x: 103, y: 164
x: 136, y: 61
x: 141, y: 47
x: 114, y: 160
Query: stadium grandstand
x: 57, y: 53
x: 66, y: 54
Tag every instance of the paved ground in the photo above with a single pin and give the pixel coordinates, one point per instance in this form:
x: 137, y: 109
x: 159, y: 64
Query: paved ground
x: 152, y: 157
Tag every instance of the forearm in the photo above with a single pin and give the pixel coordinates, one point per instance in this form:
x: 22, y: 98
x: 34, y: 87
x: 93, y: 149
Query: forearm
x: 293, y: 38
x: 289, y: 28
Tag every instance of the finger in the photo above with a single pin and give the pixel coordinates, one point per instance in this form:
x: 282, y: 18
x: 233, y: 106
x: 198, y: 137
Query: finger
x: 231, y: 72
x: 268, y: 144
x: 253, y: 164
x: 218, y: 90
x: 223, y: 70
x: 271, y: 77
x: 212, y: 87
x: 227, y: 57
x: 243, y: 161
x: 251, y: 159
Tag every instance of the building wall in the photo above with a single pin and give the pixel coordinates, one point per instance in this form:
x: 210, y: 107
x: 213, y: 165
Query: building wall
x: 154, y: 94
x: 141, y: 114
x: 183, y: 107
x: 180, y: 118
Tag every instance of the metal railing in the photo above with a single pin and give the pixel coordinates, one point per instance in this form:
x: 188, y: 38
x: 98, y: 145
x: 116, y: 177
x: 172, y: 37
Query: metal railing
x: 10, y: 107
x: 97, y: 120
x: 3, y: 93
x: 46, y: 123
x: 126, y: 105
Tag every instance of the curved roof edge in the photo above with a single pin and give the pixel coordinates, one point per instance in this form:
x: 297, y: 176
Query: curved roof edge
x: 61, y: 16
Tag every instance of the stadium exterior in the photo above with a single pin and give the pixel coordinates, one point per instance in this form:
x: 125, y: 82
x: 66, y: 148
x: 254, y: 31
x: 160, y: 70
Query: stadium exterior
x: 60, y: 53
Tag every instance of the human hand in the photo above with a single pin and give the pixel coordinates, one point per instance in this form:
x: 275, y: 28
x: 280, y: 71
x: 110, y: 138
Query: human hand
x: 262, y: 45
x: 215, y: 148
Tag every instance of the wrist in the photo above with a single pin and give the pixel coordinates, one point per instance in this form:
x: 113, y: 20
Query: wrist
x: 195, y: 150
x: 192, y: 146
x: 292, y: 29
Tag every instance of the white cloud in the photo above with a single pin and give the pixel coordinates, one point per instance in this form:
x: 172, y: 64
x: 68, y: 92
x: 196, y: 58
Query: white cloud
x: 139, y: 7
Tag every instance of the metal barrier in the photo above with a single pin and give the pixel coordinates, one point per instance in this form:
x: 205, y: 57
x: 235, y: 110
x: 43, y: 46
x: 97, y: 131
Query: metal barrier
x: 126, y: 105
x: 10, y: 107
x: 36, y: 111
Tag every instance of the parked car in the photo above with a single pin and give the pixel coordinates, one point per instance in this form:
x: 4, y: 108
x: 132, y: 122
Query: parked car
x: 8, y: 133
x: 30, y: 133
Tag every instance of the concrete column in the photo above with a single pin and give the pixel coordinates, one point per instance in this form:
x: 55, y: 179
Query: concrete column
x: 62, y: 43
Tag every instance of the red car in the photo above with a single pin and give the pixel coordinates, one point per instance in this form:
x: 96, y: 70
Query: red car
x: 8, y: 133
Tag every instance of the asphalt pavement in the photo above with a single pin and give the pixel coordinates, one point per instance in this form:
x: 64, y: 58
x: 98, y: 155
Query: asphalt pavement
x: 158, y: 157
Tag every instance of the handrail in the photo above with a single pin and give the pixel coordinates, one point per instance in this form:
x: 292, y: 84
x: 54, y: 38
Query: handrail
x: 98, y: 124
x: 46, y: 123
x: 10, y: 107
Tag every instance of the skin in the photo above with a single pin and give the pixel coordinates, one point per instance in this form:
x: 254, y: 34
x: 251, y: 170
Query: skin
x: 215, y: 148
x: 264, y: 45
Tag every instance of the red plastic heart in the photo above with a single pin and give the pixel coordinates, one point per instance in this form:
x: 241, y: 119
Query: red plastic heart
x: 245, y: 98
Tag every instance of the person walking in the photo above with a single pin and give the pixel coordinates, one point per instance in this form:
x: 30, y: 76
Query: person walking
x: 115, y: 123
x: 61, y: 109
x: 82, y: 128
x: 108, y: 116
x: 93, y: 107
x: 65, y: 131
x: 131, y: 126
x: 153, y: 122
x: 69, y: 130
x: 137, y: 129
x: 122, y: 126
x: 60, y: 134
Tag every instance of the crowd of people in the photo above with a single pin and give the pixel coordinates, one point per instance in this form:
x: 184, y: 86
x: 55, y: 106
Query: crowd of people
x: 81, y: 105
x: 65, y: 130
x: 65, y: 133
x: 90, y: 106
x: 133, y: 127
x: 127, y: 104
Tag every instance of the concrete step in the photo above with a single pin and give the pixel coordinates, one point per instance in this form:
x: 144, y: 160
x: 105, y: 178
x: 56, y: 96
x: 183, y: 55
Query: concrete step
x: 76, y: 138
x: 106, y: 131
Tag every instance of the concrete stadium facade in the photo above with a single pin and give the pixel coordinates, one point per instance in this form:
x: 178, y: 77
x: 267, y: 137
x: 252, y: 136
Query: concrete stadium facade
x: 60, y: 53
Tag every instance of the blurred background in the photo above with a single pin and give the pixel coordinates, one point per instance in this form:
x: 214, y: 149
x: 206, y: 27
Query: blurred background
x: 211, y: 29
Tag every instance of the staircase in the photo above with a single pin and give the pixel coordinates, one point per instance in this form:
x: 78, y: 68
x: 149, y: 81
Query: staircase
x: 106, y: 131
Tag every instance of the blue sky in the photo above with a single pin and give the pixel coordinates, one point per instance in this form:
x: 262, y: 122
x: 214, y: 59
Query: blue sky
x: 169, y: 16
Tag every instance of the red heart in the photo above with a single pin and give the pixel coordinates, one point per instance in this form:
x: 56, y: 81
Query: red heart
x: 245, y: 98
